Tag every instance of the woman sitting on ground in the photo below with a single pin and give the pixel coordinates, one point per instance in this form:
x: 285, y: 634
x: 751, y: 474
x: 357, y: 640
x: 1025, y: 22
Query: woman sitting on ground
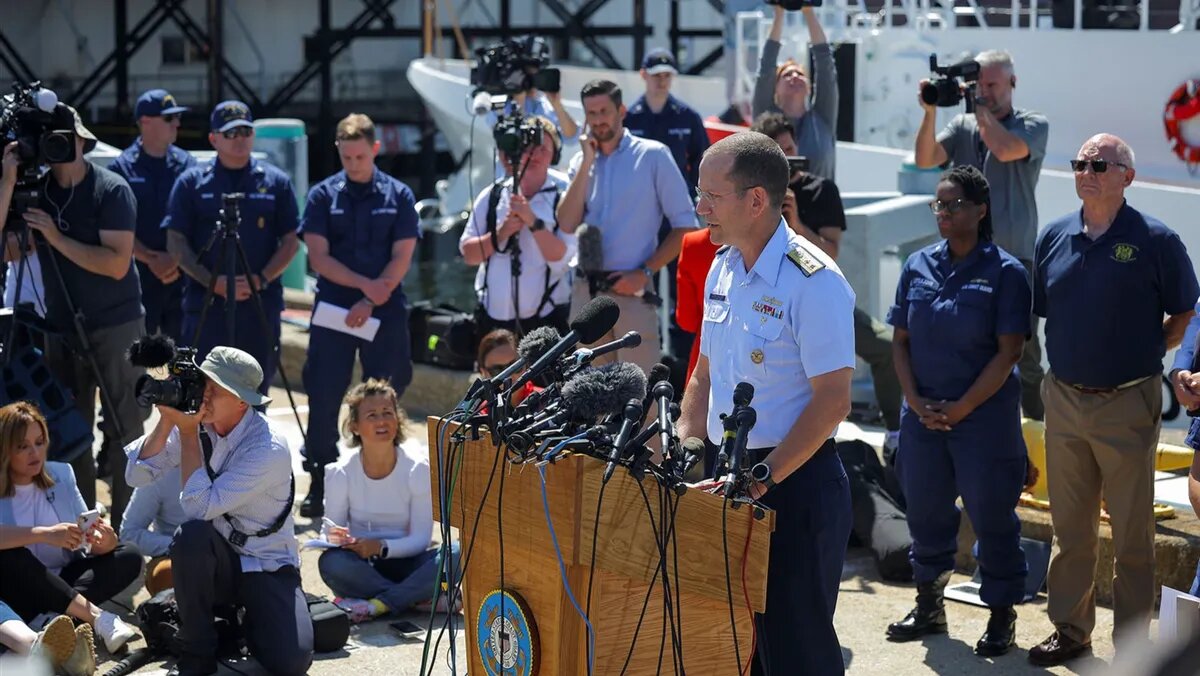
x: 49, y: 564
x: 379, y: 510
x: 68, y: 649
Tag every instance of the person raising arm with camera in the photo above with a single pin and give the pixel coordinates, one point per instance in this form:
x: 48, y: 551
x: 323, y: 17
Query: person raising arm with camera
x: 237, y: 546
x: 84, y: 228
x: 1008, y: 145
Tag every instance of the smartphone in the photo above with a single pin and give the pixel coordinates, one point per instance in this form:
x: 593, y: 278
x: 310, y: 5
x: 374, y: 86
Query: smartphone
x: 407, y: 629
x: 797, y: 163
x: 87, y: 520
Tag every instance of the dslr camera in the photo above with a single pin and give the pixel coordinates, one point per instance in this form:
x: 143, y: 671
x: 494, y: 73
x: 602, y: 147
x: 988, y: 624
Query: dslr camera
x: 44, y: 130
x: 182, y: 389
x: 946, y: 91
x: 514, y: 134
x: 794, y: 5
x: 514, y: 66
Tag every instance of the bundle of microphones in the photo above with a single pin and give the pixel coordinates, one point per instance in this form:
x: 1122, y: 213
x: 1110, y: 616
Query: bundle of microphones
x: 582, y: 408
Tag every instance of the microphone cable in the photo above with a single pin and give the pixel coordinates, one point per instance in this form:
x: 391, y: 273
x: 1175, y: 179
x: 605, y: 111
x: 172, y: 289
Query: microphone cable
x: 737, y: 649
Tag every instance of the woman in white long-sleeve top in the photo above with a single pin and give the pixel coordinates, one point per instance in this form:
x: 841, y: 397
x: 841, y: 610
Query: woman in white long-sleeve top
x: 378, y: 507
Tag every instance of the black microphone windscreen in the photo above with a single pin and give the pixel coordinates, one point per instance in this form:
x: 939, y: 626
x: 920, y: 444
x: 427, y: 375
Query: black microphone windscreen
x: 597, y: 392
x: 537, y: 343
x: 591, y: 248
x: 596, y: 319
x: 151, y: 351
x: 659, y: 372
x: 694, y: 446
x: 743, y: 394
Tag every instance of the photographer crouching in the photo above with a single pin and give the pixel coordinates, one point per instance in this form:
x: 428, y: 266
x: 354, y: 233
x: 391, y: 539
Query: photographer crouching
x: 84, y: 223
x: 238, y: 547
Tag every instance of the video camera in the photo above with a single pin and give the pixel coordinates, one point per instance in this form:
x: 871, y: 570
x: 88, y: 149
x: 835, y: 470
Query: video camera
x: 794, y: 5
x: 182, y: 389
x: 514, y: 66
x: 514, y: 134
x: 44, y: 130
x: 947, y: 91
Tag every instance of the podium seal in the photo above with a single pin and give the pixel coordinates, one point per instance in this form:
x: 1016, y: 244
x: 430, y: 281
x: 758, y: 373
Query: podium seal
x: 507, y: 641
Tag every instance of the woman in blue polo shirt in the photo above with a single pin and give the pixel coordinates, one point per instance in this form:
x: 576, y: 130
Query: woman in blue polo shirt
x: 961, y: 319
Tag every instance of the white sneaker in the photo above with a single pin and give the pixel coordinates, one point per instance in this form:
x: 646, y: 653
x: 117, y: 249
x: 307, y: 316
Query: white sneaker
x: 83, y: 658
x: 56, y: 642
x: 113, y: 631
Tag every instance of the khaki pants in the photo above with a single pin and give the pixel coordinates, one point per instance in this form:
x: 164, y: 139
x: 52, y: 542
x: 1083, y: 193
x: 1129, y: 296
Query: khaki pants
x: 636, y: 315
x: 1101, y: 445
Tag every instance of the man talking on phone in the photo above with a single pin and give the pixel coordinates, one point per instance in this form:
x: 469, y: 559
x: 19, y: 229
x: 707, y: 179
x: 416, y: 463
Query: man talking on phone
x: 624, y: 186
x: 238, y: 545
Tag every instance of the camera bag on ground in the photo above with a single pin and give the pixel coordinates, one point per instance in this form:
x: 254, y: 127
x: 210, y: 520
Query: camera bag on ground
x: 879, y: 522
x: 442, y: 335
x: 159, y: 621
x: 331, y: 625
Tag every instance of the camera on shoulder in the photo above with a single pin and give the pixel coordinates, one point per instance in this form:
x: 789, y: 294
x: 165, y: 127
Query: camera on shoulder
x: 514, y: 66
x: 947, y: 90
x: 182, y: 389
x: 44, y: 130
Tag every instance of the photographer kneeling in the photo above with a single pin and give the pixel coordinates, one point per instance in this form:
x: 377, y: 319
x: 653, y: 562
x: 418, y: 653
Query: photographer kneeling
x: 238, y: 548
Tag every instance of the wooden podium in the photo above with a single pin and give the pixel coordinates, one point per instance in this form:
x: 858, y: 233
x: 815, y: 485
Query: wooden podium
x: 626, y: 561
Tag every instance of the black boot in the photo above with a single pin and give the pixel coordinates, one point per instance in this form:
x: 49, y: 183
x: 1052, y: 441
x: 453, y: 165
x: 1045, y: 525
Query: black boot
x: 1001, y: 633
x: 929, y: 617
x: 313, y: 506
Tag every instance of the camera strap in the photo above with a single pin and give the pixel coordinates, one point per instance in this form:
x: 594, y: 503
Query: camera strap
x: 493, y: 205
x: 237, y: 537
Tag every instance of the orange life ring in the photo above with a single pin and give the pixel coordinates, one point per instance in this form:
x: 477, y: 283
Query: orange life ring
x: 1183, y: 104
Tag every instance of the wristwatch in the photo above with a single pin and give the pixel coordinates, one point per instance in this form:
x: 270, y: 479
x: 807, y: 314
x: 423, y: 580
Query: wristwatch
x: 383, y: 551
x: 647, y: 271
x: 762, y: 474
x: 538, y: 225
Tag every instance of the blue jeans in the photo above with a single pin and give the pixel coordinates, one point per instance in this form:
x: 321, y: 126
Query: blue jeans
x: 398, y: 583
x: 7, y: 614
x: 1196, y: 582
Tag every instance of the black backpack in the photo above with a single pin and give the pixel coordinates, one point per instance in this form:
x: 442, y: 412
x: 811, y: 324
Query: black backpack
x: 442, y: 335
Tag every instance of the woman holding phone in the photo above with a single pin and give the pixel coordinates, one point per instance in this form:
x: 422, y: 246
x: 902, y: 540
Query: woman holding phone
x: 57, y: 557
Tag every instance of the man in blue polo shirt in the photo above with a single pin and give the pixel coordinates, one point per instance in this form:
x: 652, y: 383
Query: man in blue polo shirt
x: 1105, y: 277
x: 658, y: 115
x: 267, y: 231
x: 151, y: 166
x: 361, y: 228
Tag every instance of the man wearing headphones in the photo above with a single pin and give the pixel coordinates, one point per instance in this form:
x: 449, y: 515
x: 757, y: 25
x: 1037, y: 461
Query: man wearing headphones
x: 1008, y: 145
x: 504, y: 227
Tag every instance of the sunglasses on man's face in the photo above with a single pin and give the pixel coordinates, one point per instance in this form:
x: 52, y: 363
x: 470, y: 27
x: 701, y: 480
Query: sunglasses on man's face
x: 1098, y: 166
x: 238, y: 132
x: 173, y: 117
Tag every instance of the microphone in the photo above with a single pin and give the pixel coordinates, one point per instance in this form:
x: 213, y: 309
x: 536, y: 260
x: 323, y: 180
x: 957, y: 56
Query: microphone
x: 590, y: 395
x: 664, y: 393
x: 586, y: 355
x: 658, y: 373
x: 590, y: 242
x: 535, y: 344
x: 743, y: 393
x: 632, y: 418
x: 745, y: 418
x: 481, y: 104
x: 46, y: 100
x: 593, y: 321
x: 693, y: 452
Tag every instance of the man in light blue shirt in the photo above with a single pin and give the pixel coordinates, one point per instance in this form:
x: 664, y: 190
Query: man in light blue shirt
x: 238, y: 545
x: 624, y: 186
x: 151, y: 518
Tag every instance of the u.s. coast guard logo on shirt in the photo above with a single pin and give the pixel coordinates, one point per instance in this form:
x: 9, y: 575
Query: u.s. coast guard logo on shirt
x: 1124, y: 253
x: 507, y: 639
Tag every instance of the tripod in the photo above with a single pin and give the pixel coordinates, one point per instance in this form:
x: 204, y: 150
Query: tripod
x: 24, y: 198
x: 230, y: 256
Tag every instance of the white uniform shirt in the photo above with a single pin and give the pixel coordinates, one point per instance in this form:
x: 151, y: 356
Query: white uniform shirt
x: 774, y: 327
x: 493, y: 281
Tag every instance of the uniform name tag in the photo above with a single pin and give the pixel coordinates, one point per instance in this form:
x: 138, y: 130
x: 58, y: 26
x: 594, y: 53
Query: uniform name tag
x: 383, y: 210
x: 716, y: 296
x: 262, y: 196
x: 337, y: 212
x: 136, y: 179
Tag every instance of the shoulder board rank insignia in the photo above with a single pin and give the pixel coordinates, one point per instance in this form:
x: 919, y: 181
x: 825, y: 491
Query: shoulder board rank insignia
x: 722, y: 249
x: 804, y: 260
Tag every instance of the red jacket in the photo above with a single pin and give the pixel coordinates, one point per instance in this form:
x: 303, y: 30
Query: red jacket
x: 695, y: 258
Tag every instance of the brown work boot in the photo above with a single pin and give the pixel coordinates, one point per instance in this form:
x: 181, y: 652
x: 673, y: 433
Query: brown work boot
x: 1057, y: 649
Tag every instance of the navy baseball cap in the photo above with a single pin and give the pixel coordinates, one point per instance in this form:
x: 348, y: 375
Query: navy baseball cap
x: 230, y: 114
x: 659, y: 61
x: 157, y: 102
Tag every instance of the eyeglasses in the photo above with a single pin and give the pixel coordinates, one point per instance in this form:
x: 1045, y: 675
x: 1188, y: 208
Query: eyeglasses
x: 1098, y: 166
x: 492, y: 369
x: 173, y: 117
x: 712, y: 197
x: 938, y: 206
x: 238, y: 132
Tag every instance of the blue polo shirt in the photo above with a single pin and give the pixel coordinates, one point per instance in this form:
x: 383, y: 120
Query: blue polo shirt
x: 268, y: 213
x: 361, y: 221
x: 954, y: 313
x: 152, y: 179
x: 676, y: 126
x: 1104, y: 300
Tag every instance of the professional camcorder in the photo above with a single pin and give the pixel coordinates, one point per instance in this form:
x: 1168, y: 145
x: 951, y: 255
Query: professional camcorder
x: 514, y: 66
x: 794, y: 5
x: 182, y: 389
x: 44, y: 130
x: 948, y: 90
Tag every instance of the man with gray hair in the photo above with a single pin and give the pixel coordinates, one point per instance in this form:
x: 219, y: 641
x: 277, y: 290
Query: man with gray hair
x: 1008, y: 145
x: 1117, y: 290
x: 238, y: 546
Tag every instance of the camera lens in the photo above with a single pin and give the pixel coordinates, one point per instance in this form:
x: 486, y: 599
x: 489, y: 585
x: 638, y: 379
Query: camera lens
x: 58, y: 147
x: 150, y: 391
